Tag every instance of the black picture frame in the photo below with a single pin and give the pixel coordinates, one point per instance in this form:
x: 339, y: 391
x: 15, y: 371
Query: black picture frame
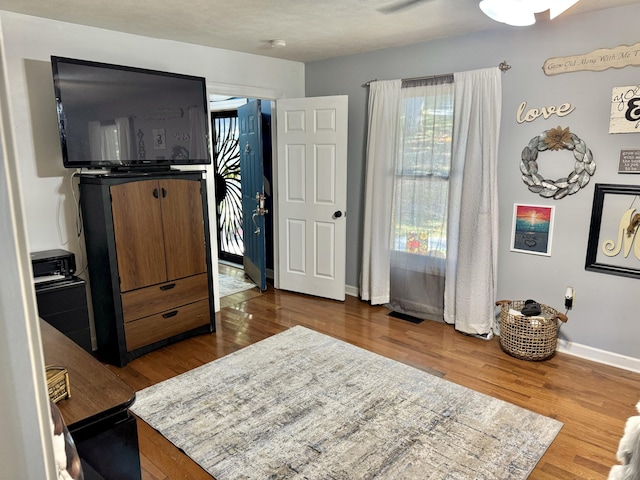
x: 607, y: 233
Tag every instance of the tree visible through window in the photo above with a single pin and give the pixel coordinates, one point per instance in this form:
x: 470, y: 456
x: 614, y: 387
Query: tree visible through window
x: 422, y: 170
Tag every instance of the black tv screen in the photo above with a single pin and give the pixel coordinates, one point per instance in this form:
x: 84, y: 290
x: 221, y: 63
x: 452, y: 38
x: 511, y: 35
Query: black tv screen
x: 118, y: 117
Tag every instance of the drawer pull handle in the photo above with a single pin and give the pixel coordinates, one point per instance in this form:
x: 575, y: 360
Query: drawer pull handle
x: 170, y: 314
x: 167, y: 287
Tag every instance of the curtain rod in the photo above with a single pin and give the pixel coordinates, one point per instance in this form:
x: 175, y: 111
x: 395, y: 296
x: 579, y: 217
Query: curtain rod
x: 504, y: 66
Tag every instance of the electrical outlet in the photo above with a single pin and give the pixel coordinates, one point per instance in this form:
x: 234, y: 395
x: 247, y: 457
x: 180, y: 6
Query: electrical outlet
x: 569, y: 298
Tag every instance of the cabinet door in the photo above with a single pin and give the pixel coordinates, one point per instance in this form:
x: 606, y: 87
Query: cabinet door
x: 137, y: 225
x: 183, y: 223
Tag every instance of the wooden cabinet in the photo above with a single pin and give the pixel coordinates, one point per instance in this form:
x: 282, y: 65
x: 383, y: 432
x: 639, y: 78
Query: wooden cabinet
x: 147, y: 238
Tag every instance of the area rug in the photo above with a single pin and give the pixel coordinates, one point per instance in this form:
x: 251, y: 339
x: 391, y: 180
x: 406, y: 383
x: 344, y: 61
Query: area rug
x: 229, y: 285
x: 303, y: 405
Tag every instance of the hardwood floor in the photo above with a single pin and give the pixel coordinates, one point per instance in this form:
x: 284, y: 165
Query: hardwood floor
x: 237, y: 273
x: 592, y: 400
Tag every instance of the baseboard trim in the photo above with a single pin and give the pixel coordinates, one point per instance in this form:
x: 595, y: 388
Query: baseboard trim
x: 599, y: 356
x: 571, y: 348
x: 352, y: 291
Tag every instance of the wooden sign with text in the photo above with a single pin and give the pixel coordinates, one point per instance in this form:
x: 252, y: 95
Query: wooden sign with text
x: 625, y: 109
x: 629, y: 161
x: 596, y: 61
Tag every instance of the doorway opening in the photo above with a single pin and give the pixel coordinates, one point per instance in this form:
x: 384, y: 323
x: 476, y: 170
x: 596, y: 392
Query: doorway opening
x: 232, y: 226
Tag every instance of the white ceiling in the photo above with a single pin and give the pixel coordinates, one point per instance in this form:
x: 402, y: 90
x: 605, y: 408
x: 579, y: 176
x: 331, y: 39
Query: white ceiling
x: 312, y: 29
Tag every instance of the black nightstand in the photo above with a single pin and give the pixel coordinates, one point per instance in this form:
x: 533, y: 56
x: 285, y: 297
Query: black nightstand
x: 63, y: 304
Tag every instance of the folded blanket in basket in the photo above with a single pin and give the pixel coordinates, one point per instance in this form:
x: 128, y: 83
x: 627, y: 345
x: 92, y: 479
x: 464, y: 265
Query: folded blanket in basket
x: 516, y: 313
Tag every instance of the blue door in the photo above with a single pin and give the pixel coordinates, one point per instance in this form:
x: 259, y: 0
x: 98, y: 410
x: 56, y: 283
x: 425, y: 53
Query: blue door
x: 253, y: 194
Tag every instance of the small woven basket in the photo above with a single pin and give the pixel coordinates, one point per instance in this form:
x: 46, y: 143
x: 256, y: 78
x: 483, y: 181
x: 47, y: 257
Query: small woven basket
x: 529, y: 338
x: 57, y: 383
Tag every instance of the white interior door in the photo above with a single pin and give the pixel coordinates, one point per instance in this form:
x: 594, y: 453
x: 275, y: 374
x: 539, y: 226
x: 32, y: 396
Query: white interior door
x: 312, y: 194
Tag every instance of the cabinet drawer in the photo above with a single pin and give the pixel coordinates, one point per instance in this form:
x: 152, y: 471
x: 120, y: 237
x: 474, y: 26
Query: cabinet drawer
x: 61, y: 296
x: 167, y: 324
x: 159, y: 298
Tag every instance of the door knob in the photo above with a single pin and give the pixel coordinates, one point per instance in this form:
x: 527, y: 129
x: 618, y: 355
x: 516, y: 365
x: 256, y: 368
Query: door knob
x: 337, y: 214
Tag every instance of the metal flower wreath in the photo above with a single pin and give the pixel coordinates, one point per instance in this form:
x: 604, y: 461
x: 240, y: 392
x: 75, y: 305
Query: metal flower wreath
x: 557, y: 139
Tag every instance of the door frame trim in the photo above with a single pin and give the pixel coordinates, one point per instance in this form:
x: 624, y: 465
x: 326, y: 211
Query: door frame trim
x: 245, y: 91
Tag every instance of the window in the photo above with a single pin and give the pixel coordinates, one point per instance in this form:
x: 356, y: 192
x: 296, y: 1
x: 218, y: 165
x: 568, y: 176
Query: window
x: 423, y: 165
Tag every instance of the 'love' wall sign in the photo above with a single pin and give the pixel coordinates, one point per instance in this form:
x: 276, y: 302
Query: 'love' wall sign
x: 533, y: 113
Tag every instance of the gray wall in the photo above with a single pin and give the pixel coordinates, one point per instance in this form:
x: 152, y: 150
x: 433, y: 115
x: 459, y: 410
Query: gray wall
x: 605, y: 313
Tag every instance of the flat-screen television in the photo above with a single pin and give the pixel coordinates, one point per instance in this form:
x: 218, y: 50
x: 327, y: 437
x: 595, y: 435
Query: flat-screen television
x: 125, y: 118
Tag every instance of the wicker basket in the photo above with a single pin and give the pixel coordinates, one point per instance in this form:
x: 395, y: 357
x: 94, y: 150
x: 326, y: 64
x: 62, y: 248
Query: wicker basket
x: 528, y: 338
x: 57, y: 383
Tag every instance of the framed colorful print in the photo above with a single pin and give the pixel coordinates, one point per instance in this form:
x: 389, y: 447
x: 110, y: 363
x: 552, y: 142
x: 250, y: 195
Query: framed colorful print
x: 614, y: 236
x: 532, y: 229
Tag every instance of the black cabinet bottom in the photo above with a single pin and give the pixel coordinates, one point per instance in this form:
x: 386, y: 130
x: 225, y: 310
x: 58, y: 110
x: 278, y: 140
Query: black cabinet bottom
x: 111, y: 449
x: 63, y: 304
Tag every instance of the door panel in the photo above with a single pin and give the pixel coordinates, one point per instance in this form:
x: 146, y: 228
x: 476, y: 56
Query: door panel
x: 181, y: 202
x: 296, y: 173
x: 312, y: 171
x: 252, y: 183
x: 137, y: 225
x: 296, y: 241
x: 325, y: 239
x: 325, y: 172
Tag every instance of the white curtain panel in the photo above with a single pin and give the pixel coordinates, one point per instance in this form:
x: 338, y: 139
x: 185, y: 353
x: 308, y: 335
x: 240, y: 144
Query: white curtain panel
x: 95, y: 141
x: 197, y: 147
x: 110, y: 142
x: 471, y: 270
x: 384, y: 105
x: 124, y: 137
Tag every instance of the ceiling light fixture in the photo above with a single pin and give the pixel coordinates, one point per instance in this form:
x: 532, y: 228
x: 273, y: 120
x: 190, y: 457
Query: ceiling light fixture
x: 558, y: 6
x: 521, y: 13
